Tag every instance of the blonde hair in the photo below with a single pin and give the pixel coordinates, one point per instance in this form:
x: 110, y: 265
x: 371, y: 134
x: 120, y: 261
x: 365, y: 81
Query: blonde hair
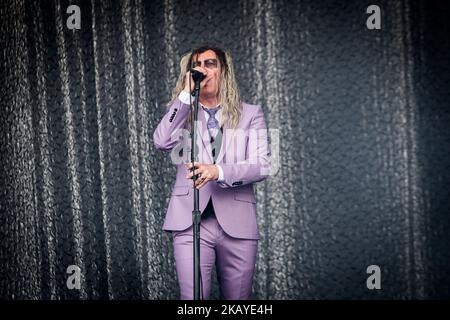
x: 229, y: 97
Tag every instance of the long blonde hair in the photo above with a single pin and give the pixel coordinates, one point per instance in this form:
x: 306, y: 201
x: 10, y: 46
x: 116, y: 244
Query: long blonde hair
x: 229, y: 97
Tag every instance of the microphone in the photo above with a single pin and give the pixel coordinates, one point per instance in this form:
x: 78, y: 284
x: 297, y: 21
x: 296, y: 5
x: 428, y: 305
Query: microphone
x: 197, y: 75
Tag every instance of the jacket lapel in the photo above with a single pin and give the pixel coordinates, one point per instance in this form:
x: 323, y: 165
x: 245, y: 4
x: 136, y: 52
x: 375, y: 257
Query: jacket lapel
x: 227, y: 137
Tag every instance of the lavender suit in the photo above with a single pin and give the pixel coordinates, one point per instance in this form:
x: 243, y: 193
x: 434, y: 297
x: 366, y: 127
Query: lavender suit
x: 228, y: 231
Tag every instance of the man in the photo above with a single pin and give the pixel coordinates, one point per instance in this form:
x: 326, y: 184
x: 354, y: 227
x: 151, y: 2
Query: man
x: 233, y: 154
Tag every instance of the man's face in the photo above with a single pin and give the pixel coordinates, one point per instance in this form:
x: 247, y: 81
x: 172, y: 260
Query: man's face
x: 208, y: 63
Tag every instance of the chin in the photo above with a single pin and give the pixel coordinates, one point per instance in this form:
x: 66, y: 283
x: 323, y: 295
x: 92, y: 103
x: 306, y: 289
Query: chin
x: 209, y: 93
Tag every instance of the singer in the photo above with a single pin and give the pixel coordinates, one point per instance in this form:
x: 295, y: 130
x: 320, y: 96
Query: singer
x: 233, y: 155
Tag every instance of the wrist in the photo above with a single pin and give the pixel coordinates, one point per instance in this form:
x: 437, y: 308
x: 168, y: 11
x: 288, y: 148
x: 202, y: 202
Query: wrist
x: 220, y: 177
x: 216, y: 172
x: 184, y: 97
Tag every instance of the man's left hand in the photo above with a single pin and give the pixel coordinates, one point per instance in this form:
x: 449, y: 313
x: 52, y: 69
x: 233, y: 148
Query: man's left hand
x: 205, y: 172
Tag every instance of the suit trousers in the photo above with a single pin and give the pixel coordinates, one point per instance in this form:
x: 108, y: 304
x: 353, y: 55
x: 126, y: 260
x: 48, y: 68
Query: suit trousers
x: 234, y: 260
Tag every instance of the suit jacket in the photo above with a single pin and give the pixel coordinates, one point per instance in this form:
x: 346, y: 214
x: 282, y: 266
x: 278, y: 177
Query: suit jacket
x: 244, y: 159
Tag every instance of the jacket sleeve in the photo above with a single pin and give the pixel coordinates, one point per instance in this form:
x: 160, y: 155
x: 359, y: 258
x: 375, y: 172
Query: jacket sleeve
x: 257, y: 163
x: 174, y: 119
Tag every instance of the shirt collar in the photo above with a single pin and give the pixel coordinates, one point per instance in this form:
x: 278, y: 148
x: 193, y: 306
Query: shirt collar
x: 217, y: 106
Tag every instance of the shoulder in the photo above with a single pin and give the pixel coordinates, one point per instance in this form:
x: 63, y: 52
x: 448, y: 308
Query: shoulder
x: 250, y: 109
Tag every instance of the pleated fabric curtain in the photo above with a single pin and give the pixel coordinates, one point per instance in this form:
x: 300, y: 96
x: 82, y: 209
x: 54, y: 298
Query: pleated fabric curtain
x: 362, y: 118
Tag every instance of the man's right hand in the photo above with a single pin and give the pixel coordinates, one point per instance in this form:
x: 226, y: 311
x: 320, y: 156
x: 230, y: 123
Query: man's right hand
x: 188, y: 76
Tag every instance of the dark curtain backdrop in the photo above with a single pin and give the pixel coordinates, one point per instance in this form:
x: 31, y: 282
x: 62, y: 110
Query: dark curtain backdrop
x: 363, y: 117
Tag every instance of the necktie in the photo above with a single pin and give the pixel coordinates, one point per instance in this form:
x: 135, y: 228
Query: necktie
x: 213, y: 123
x: 213, y: 128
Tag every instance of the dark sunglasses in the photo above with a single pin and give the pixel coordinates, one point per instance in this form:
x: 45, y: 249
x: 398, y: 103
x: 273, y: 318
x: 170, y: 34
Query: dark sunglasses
x: 208, y: 63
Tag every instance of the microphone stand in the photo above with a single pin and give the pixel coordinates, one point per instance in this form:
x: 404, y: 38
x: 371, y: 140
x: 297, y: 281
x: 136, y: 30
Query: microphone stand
x: 196, y: 214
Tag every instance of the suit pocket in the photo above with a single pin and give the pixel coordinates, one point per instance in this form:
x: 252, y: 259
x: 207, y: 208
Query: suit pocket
x: 244, y: 196
x: 180, y: 190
